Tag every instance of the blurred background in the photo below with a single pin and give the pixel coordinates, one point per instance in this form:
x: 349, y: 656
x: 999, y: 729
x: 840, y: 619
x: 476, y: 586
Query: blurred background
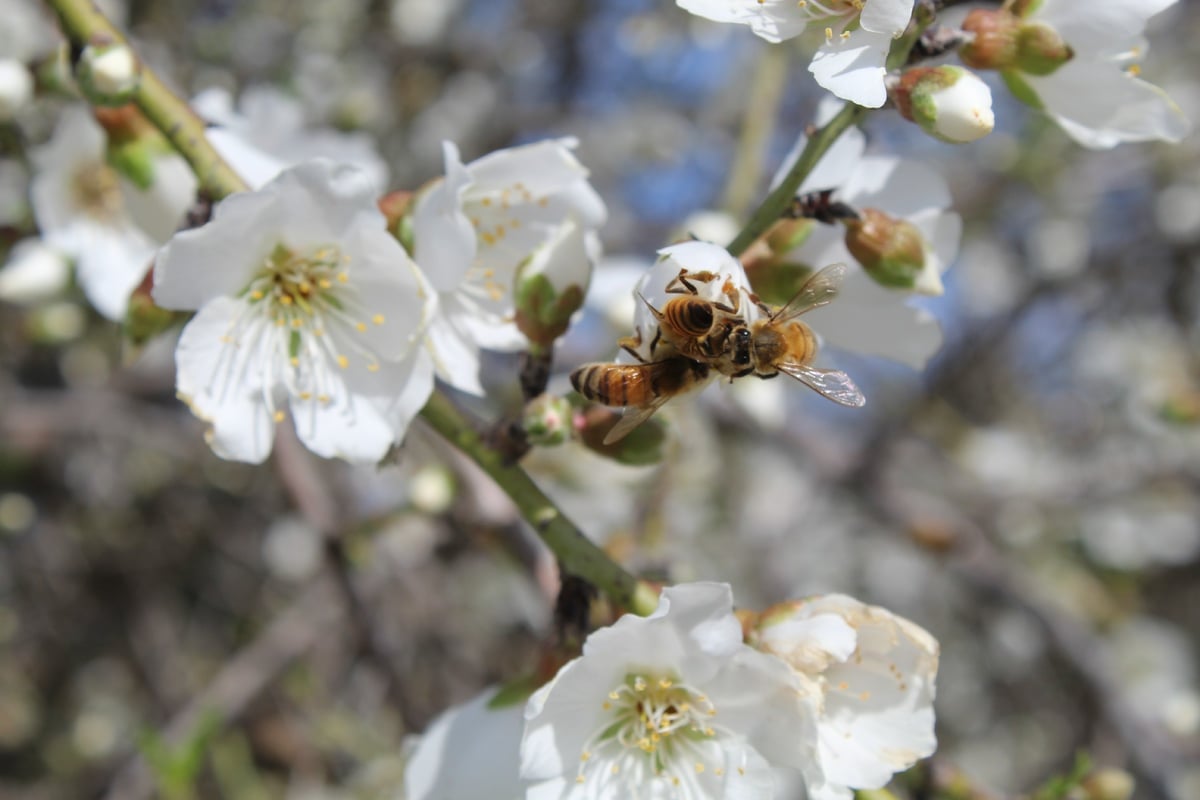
x: 175, y: 625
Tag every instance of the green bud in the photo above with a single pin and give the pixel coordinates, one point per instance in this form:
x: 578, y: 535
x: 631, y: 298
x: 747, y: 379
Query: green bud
x: 547, y: 420
x: 640, y: 447
x: 776, y: 282
x: 108, y: 74
x: 549, y: 285
x: 1040, y: 49
x: 892, y: 251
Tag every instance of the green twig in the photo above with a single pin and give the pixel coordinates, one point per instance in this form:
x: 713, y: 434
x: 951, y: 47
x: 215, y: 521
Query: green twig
x: 772, y: 208
x: 576, y: 553
x: 84, y: 24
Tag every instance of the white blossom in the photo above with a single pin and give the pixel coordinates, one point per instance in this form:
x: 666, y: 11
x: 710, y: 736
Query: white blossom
x: 670, y: 705
x: 305, y: 302
x: 858, y: 35
x: 93, y: 214
x: 873, y: 673
x: 474, y: 228
x: 1096, y: 95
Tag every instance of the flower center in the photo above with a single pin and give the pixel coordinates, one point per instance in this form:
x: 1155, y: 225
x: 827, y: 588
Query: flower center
x: 311, y: 314
x: 653, y: 727
x: 97, y: 192
x: 298, y: 287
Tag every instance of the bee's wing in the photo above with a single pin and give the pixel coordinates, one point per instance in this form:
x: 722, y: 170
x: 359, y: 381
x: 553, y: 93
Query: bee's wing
x: 632, y: 418
x: 817, y: 291
x: 832, y: 383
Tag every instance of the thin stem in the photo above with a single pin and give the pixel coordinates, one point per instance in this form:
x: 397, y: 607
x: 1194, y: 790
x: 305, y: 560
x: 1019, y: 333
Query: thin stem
x: 577, y: 554
x: 84, y: 24
x: 772, y: 208
x: 758, y: 122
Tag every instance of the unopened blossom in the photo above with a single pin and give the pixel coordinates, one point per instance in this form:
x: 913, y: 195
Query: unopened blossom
x: 98, y: 217
x: 868, y: 317
x: 857, y: 36
x: 670, y: 705
x: 268, y: 132
x: 948, y: 102
x: 475, y: 227
x: 469, y: 752
x: 305, y: 304
x: 108, y: 73
x: 550, y: 285
x: 34, y: 272
x: 872, y: 674
x: 16, y: 88
x: 1078, y: 61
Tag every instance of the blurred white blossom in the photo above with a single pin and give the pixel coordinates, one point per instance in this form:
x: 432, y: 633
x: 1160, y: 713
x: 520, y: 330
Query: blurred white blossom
x: 1091, y: 88
x: 871, y: 675
x: 268, y: 132
x: 90, y: 212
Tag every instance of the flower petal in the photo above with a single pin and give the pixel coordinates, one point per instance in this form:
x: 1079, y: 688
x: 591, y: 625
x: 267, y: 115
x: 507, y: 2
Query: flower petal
x: 890, y: 17
x: 224, y: 383
x: 853, y: 68
x: 1100, y: 105
x: 444, y: 241
x: 469, y: 752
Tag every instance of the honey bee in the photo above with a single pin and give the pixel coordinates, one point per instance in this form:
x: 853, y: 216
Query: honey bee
x: 641, y: 388
x: 694, y: 327
x: 780, y: 342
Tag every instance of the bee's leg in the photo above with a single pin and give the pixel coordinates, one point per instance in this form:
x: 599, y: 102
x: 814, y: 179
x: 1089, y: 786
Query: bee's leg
x: 630, y: 344
x: 680, y: 284
x: 654, y: 342
x: 764, y: 377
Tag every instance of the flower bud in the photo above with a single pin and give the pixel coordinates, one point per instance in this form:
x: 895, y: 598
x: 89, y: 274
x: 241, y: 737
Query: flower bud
x: 788, y: 234
x: 145, y: 319
x: 641, y: 446
x: 397, y: 207
x: 777, y: 282
x: 893, y: 252
x: 547, y: 420
x: 133, y: 144
x: 550, y: 285
x: 16, y: 88
x: 948, y: 102
x: 1108, y: 784
x: 108, y: 74
x: 1041, y: 50
x: 995, y: 44
x: 35, y: 272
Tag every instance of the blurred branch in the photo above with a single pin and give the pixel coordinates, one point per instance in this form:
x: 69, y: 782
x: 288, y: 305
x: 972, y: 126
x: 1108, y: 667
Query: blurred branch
x: 758, y: 121
x: 243, y: 677
x: 311, y: 495
x: 84, y: 24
